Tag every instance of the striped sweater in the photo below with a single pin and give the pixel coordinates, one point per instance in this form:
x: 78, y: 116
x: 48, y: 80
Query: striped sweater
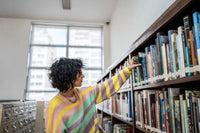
x: 63, y: 116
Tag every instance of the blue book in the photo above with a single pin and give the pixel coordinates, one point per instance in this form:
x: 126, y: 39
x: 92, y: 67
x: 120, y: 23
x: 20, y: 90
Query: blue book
x: 162, y: 114
x: 130, y: 106
x: 196, y: 21
x: 144, y: 66
x: 154, y: 62
x: 147, y: 49
x: 170, y: 49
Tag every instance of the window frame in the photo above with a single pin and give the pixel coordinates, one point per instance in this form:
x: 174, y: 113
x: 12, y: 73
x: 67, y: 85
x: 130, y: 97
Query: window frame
x: 67, y: 46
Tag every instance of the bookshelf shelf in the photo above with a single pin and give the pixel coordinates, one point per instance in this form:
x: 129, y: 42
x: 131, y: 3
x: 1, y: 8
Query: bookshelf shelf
x: 142, y: 130
x: 181, y: 82
x: 107, y: 112
x: 117, y: 118
x: 171, y: 19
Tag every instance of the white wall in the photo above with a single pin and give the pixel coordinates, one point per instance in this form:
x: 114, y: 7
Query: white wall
x: 14, y: 44
x: 14, y: 40
x: 130, y: 19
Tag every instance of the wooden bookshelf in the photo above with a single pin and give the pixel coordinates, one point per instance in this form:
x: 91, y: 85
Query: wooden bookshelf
x: 170, y: 19
x: 180, y: 82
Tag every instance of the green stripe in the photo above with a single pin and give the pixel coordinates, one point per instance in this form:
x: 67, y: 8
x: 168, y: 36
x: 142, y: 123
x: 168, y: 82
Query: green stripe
x: 85, y: 122
x: 76, y: 116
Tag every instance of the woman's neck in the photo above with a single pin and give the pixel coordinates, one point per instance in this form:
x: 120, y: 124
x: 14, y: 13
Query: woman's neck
x: 69, y: 93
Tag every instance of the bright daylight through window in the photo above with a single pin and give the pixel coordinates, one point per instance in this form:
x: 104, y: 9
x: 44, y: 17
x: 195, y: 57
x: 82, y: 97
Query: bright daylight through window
x: 50, y: 42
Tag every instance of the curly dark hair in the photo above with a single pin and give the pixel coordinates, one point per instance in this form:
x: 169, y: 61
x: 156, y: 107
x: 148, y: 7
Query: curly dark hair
x: 63, y: 72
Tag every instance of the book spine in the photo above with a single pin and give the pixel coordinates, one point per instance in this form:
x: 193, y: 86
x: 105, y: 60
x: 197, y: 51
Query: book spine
x: 182, y: 113
x: 189, y: 113
x: 130, y: 106
x: 195, y: 46
x: 182, y: 51
x: 192, y: 50
x: 154, y: 61
x: 185, y: 116
x: 166, y: 111
x: 152, y: 65
x: 170, y: 50
x: 196, y: 31
x: 145, y: 109
x: 195, y: 117
x: 174, y: 52
x: 177, y: 116
x: 168, y: 60
x: 198, y: 110
x: 158, y: 56
x: 147, y: 61
x: 179, y: 54
x: 187, y: 28
x: 158, y: 109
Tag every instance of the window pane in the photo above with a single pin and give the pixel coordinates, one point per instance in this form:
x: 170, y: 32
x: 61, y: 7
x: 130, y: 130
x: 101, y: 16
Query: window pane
x: 85, y: 36
x: 91, y: 77
x: 49, y: 35
x: 45, y: 56
x: 91, y: 57
x: 39, y: 80
x: 42, y: 96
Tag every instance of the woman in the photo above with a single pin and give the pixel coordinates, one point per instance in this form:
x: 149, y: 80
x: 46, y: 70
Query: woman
x: 73, y: 109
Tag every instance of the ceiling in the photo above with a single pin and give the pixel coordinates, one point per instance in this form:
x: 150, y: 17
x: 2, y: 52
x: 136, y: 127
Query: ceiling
x: 81, y: 10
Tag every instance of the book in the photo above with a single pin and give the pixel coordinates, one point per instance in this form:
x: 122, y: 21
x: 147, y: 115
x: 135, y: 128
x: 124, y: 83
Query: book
x: 185, y: 116
x: 182, y: 113
x: 166, y: 111
x: 170, y: 32
x: 187, y: 28
x: 174, y: 54
x: 196, y: 22
x: 162, y: 107
x: 173, y: 94
x: 130, y: 106
x: 188, y: 98
x: 177, y: 116
x: 181, y: 51
x: 192, y: 50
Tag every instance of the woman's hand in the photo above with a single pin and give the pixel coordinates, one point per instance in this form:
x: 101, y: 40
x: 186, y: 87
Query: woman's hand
x: 133, y: 63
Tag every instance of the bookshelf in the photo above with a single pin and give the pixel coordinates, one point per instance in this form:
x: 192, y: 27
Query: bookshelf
x: 172, y: 18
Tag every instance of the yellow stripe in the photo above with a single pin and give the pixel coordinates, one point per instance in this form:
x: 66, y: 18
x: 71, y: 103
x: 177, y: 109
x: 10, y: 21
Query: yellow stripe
x: 52, y: 106
x: 116, y: 83
x: 107, y: 89
x: 127, y: 71
x: 93, y: 127
x: 122, y: 76
x: 62, y: 113
x: 99, y: 99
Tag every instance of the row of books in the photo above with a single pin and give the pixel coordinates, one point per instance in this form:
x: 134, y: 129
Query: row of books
x: 173, y: 110
x: 105, y: 125
x: 122, y: 105
x: 122, y: 98
x: 122, y: 128
x: 174, y: 55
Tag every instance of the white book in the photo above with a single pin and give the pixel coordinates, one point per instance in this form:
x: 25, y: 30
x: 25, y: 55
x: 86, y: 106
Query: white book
x: 181, y: 51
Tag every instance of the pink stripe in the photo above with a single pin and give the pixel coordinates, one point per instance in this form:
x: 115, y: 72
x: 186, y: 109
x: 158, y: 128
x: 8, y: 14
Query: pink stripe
x: 72, y: 111
x: 83, y: 88
x: 46, y: 117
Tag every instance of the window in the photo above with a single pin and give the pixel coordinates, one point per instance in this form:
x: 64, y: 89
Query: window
x: 50, y: 42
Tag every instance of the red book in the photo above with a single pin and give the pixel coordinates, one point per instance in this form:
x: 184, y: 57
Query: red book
x: 156, y: 115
